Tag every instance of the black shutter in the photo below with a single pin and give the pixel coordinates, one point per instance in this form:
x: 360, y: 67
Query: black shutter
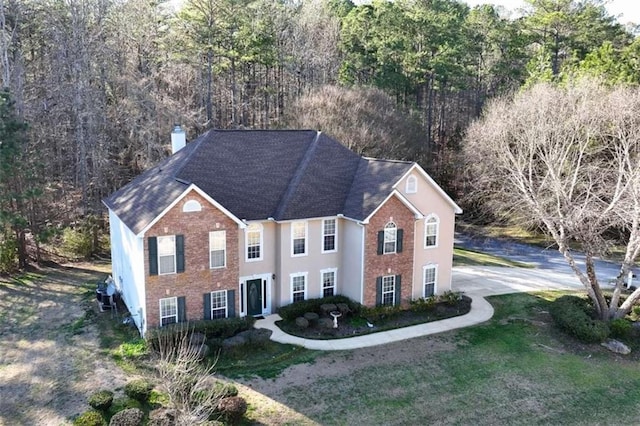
x: 398, y: 290
x: 206, y: 303
x: 182, y: 310
x: 152, y: 242
x: 378, y: 291
x: 380, y: 242
x: 179, y: 253
x: 231, y: 303
x: 400, y: 234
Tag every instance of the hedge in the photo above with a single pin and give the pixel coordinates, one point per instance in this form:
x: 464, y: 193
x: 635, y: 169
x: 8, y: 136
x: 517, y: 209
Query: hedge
x: 574, y: 315
x: 212, y: 329
x: 298, y: 309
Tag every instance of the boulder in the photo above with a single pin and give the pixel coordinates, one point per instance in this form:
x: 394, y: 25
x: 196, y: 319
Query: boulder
x: 256, y: 335
x: 312, y: 317
x: 127, y: 417
x: 325, y: 323
x: 616, y: 346
x: 232, y: 342
x: 343, y: 308
x: 302, y: 322
x: 162, y: 417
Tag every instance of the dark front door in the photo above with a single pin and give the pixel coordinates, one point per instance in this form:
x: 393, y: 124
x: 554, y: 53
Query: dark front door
x: 254, y: 297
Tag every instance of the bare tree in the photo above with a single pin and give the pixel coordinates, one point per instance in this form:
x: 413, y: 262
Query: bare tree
x: 188, y: 381
x: 566, y: 159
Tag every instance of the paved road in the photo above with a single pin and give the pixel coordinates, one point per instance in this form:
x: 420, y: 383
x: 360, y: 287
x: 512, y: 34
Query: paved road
x: 546, y: 260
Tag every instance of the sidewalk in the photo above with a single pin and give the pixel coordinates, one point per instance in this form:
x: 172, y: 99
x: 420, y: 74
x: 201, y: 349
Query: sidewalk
x: 481, y: 311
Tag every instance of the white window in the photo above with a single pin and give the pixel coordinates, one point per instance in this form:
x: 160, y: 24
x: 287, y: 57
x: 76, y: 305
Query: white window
x: 389, y: 290
x: 430, y: 275
x: 390, y: 238
x: 412, y: 185
x: 253, y: 239
x: 298, y: 238
x: 431, y: 231
x: 218, y: 304
x: 298, y: 287
x: 168, y: 311
x: 328, y: 278
x: 329, y: 233
x: 218, y: 249
x: 191, y: 206
x: 167, y: 255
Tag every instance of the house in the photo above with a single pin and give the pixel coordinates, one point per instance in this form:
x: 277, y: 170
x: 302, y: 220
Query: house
x: 240, y: 222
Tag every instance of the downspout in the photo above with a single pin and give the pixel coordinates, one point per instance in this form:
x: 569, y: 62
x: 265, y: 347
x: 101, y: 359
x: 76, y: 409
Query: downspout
x: 362, y: 227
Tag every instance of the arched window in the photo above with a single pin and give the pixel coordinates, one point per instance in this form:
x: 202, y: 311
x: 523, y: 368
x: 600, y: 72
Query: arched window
x: 390, y: 238
x: 431, y: 226
x: 191, y: 206
x: 412, y: 185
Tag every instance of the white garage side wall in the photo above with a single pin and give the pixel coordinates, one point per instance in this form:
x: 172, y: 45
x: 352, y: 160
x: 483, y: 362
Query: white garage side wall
x: 127, y: 266
x: 351, y: 260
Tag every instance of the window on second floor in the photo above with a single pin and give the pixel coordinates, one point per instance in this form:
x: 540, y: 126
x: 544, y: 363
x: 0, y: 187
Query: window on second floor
x: 431, y: 231
x: 217, y: 249
x: 253, y: 239
x: 298, y: 238
x: 390, y: 238
x: 412, y: 185
x: 167, y: 255
x: 329, y: 233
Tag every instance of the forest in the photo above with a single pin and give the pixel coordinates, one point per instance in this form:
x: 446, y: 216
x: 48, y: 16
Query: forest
x: 92, y: 88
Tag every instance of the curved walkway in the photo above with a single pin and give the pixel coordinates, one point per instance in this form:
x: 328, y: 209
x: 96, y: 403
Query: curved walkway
x: 475, y: 281
x: 481, y: 311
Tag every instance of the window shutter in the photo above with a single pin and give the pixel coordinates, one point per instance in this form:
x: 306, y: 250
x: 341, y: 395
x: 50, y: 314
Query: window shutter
x: 400, y: 234
x: 398, y: 288
x: 378, y: 291
x: 380, y: 242
x: 182, y: 310
x: 179, y: 253
x: 231, y: 303
x: 152, y: 242
x: 206, y: 302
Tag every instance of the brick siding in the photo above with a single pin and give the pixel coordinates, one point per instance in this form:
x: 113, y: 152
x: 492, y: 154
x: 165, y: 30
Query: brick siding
x: 376, y: 265
x: 198, y: 278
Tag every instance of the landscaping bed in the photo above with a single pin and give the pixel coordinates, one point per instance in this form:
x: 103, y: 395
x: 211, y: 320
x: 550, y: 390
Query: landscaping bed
x: 317, y: 321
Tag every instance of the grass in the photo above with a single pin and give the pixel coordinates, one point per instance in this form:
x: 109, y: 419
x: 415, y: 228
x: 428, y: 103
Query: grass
x: 515, y: 369
x: 475, y: 258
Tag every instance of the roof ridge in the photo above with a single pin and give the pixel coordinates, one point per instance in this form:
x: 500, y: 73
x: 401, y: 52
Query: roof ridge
x: 388, y: 160
x: 361, y: 162
x: 297, y: 177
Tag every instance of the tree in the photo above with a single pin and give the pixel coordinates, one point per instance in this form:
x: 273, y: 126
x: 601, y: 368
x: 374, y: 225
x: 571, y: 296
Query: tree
x: 566, y: 159
x: 365, y: 120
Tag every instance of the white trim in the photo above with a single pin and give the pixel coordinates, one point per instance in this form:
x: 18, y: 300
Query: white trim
x: 362, y: 256
x: 395, y: 238
x: 411, y: 186
x: 226, y: 303
x: 420, y: 170
x: 335, y: 236
x: 191, y: 206
x: 393, y: 291
x: 402, y: 199
x: 191, y: 187
x: 306, y: 238
x: 224, y: 260
x: 246, y: 243
x: 266, y: 278
x: 433, y: 266
x: 306, y: 283
x: 174, y: 300
x: 424, y: 236
x: 335, y: 280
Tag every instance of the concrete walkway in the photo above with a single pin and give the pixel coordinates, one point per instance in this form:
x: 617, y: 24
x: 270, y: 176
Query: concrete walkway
x: 476, y: 282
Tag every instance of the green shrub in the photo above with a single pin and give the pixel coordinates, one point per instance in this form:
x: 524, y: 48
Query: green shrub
x: 101, y: 400
x: 450, y: 297
x: 575, y: 316
x: 620, y: 328
x: 298, y: 309
x: 377, y: 313
x: 127, y: 417
x: 90, y: 418
x: 219, y: 329
x: 138, y: 389
x: 123, y: 403
x: 77, y: 243
x: 8, y: 254
x: 423, y: 305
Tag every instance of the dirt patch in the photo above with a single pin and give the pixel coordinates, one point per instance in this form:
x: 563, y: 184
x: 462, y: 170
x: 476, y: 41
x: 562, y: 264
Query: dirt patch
x: 50, y: 358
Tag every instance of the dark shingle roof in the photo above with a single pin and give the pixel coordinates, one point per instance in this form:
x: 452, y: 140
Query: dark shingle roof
x: 258, y: 174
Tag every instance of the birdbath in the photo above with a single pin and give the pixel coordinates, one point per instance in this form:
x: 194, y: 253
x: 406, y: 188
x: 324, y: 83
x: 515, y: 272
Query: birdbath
x: 335, y: 315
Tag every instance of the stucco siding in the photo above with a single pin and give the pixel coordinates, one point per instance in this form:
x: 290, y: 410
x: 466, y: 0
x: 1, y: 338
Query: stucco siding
x: 351, y: 260
x: 430, y: 202
x: 126, y: 251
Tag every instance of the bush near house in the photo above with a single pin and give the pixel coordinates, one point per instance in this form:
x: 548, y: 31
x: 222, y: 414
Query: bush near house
x: 212, y: 329
x: 101, y: 400
x: 139, y: 389
x: 575, y: 315
x: 298, y: 309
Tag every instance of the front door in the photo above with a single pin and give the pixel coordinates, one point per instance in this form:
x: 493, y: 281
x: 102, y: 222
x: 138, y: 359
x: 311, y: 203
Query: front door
x: 254, y: 297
